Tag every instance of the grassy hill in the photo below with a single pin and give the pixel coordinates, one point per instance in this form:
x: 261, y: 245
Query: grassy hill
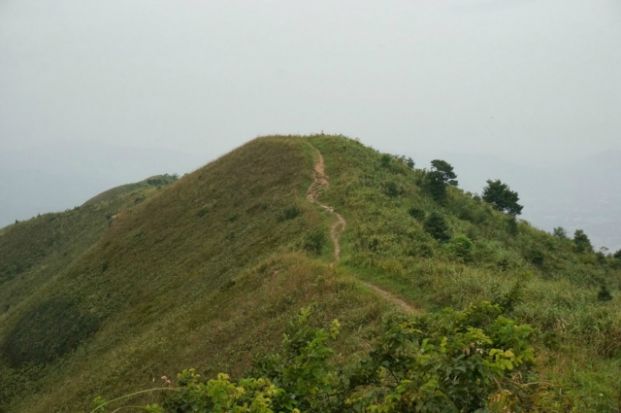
x: 34, y: 251
x: 148, y: 279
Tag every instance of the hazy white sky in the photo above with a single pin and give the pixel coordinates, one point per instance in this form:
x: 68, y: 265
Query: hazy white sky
x: 96, y: 93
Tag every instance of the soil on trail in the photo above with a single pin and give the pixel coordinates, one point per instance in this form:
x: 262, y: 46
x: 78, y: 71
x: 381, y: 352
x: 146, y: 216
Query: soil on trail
x: 321, y: 182
x: 396, y: 301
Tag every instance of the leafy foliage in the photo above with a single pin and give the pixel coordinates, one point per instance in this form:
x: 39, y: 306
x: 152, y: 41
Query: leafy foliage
x: 445, y: 171
x: 314, y: 242
x: 220, y: 395
x: 582, y: 242
x: 559, y: 232
x: 501, y: 197
x: 454, y: 361
x: 437, y: 179
x: 417, y: 213
x: 604, y: 294
x: 435, y: 185
x: 436, y: 226
x: 462, y: 247
x: 291, y: 212
x: 392, y: 189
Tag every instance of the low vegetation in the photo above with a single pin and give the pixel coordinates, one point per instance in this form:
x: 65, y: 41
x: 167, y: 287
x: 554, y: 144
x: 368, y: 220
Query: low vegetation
x: 450, y: 361
x: 207, y: 271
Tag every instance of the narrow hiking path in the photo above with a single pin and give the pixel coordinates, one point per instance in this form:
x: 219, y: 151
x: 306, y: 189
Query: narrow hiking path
x: 321, y: 182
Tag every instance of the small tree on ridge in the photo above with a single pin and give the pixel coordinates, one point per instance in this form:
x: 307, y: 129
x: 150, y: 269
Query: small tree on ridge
x: 502, y: 198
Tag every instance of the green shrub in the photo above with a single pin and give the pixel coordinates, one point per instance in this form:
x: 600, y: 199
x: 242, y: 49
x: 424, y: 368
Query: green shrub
x: 559, y: 232
x: 386, y: 160
x: 436, y: 226
x: 289, y: 213
x: 582, y: 242
x: 512, y: 225
x: 417, y: 213
x: 421, y: 249
x: 604, y: 294
x: 461, y: 247
x: 536, y: 257
x: 392, y: 189
x: 314, y: 242
x: 451, y: 361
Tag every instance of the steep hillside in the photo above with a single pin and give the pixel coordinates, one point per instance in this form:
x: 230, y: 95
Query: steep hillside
x: 206, y: 272
x: 541, y: 278
x: 35, y: 250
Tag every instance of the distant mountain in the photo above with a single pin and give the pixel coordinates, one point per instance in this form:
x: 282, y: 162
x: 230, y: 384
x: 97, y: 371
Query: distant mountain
x: 54, y: 185
x: 206, y: 271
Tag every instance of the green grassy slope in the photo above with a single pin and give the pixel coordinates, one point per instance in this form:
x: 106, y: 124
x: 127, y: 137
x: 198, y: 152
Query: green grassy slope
x: 34, y: 251
x: 205, y: 273
x: 541, y: 277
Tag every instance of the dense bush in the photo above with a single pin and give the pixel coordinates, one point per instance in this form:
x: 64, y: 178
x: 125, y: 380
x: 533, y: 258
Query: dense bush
x: 535, y: 256
x: 417, y: 213
x: 289, y: 213
x: 461, y: 247
x: 314, y: 242
x: 452, y: 361
x: 604, y: 294
x: 436, y: 226
x: 582, y: 242
x: 392, y: 189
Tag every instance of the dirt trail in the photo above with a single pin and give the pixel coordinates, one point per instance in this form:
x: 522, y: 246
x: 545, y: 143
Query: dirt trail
x: 320, y: 182
x: 396, y: 301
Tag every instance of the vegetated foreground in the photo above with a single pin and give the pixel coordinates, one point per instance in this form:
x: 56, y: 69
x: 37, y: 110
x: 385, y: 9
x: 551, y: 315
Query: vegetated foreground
x: 283, y: 236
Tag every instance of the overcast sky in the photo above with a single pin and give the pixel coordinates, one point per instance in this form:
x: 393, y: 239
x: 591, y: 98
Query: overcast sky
x: 98, y: 93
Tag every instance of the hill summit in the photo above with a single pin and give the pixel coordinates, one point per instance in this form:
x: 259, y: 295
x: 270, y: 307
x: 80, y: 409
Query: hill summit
x: 206, y: 271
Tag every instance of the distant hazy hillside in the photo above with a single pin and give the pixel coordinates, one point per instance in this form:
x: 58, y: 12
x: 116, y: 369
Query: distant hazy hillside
x: 148, y: 279
x: 64, y: 175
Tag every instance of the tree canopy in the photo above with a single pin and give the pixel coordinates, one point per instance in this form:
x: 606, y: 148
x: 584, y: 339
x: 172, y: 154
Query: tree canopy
x: 582, y: 241
x: 440, y: 175
x: 501, y: 197
x: 445, y: 171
